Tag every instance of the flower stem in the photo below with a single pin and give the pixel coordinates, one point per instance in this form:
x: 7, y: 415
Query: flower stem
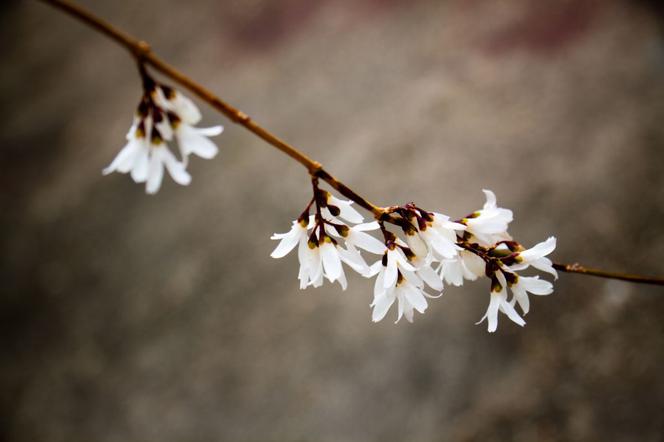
x: 144, y: 55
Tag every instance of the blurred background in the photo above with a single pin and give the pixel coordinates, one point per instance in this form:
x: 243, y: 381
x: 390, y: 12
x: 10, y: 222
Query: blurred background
x: 127, y: 317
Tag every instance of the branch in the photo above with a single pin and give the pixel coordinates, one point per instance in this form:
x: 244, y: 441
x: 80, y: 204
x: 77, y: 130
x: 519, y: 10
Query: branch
x: 578, y: 268
x: 142, y: 52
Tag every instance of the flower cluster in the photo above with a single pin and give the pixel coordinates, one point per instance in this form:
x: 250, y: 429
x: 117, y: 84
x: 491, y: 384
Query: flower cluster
x: 163, y: 115
x: 412, y: 268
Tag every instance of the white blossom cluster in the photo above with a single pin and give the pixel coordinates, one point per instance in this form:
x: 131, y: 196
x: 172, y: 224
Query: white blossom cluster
x: 163, y: 115
x: 412, y: 269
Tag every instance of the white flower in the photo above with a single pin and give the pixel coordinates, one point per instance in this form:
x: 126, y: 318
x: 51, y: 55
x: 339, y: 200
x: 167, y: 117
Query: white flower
x: 490, y: 224
x: 319, y: 258
x: 194, y: 140
x: 526, y: 284
x: 332, y: 255
x: 161, y: 156
x: 358, y: 238
x: 182, y: 115
x: 162, y: 115
x: 395, y: 262
x: 408, y: 297
x: 146, y: 159
x: 465, y: 266
x: 311, y: 265
x: 296, y: 235
x: 346, y: 211
x: 436, y: 235
x: 172, y: 100
x: 128, y: 157
x: 536, y: 257
x: 424, y: 273
x: 398, y: 280
x: 498, y: 303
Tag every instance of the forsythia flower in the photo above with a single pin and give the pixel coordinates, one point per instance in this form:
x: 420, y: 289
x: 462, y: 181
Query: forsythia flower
x: 435, y: 250
x: 489, y: 225
x: 499, y: 302
x: 163, y: 114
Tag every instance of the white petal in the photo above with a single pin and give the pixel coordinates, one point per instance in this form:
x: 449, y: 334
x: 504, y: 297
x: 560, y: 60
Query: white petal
x: 382, y: 305
x: 191, y: 141
x: 535, y: 285
x: 186, y: 109
x: 379, y: 285
x: 155, y: 174
x: 430, y: 277
x: 391, y: 271
x: 353, y: 258
x: 492, y: 312
x: 417, y: 245
x: 545, y: 265
x: 539, y: 250
x: 408, y: 313
x: 452, y: 271
x: 511, y: 313
x: 175, y: 168
x: 124, y: 160
x: 401, y: 260
x: 490, y: 199
x: 331, y: 261
x: 345, y: 210
x: 521, y: 297
x: 400, y: 306
x: 210, y: 131
x: 343, y: 282
x: 366, y: 226
x: 415, y: 298
x: 441, y: 245
x: 139, y: 171
x: 288, y: 242
x: 165, y: 130
x: 473, y: 263
x: 374, y: 269
x: 365, y: 242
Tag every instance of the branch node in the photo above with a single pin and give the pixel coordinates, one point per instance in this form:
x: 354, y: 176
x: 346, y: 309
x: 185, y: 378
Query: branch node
x: 242, y: 117
x: 315, y: 168
x: 142, y: 49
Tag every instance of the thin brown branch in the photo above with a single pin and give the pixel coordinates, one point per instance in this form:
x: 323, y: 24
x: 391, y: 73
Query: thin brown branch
x: 578, y: 268
x: 142, y: 52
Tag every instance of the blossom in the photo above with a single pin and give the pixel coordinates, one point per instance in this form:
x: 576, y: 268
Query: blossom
x: 357, y: 237
x: 183, y: 115
x: 409, y: 298
x: 146, y: 160
x: 163, y: 115
x: 498, y: 303
x: 320, y: 255
x: 432, y: 233
x: 466, y: 265
x: 335, y: 207
x: 400, y: 281
x: 296, y: 235
x: 475, y: 246
x: 490, y: 224
x: 536, y: 257
x: 525, y: 285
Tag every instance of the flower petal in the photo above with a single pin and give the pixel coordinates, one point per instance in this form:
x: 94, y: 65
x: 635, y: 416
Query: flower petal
x: 155, y: 174
x: 331, y: 261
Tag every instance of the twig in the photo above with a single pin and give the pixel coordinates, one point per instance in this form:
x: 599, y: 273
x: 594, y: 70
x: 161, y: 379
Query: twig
x: 578, y: 268
x: 142, y: 52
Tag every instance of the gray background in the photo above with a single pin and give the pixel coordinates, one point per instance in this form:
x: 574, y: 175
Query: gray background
x: 127, y: 317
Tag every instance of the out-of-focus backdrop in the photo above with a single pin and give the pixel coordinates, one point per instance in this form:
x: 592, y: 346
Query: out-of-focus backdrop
x: 127, y: 317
